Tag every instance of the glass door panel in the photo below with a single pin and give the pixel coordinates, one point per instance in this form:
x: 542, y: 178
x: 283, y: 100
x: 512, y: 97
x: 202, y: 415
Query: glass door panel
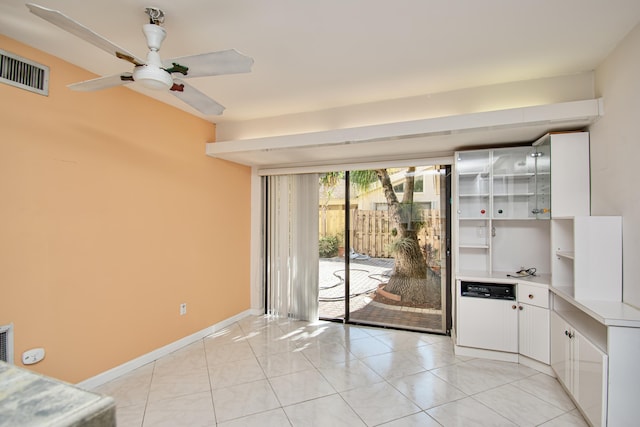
x: 398, y: 252
x: 543, y: 180
x: 473, y: 184
x: 514, y: 183
x: 331, y: 233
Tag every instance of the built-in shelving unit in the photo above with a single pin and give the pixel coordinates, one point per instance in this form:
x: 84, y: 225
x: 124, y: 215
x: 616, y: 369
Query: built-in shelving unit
x: 573, y: 320
x: 496, y: 197
x: 587, y: 257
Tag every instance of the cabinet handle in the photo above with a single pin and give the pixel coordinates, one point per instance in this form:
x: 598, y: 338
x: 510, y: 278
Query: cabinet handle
x: 520, y: 307
x: 569, y: 334
x: 530, y: 296
x: 513, y: 307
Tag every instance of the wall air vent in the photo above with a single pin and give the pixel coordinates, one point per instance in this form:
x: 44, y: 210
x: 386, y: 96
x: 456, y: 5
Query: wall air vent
x: 6, y: 343
x: 23, y: 73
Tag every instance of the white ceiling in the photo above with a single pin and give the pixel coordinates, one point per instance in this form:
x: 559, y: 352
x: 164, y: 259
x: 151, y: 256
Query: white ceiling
x: 314, y: 55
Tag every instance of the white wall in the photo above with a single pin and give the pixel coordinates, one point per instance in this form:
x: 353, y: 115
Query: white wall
x: 615, y: 152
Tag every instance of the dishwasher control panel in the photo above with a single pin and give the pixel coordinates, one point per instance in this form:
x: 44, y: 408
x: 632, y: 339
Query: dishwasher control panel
x: 488, y: 290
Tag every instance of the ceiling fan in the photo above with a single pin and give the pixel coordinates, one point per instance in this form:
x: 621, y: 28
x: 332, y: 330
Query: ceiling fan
x: 154, y: 73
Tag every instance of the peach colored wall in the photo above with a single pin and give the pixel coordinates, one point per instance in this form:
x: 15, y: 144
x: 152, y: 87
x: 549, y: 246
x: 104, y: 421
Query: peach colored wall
x: 111, y: 216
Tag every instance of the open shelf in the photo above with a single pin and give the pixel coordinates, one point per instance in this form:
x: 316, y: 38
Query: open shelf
x: 566, y: 254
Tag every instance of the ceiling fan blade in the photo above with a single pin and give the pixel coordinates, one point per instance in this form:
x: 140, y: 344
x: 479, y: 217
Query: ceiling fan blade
x: 213, y: 64
x: 102, y: 82
x: 195, y: 98
x: 63, y: 21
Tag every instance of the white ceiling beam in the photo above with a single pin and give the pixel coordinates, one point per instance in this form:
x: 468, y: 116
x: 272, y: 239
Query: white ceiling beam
x: 398, y: 139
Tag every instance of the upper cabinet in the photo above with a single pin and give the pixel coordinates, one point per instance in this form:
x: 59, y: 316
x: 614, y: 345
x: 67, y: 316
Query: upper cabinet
x: 474, y: 183
x: 563, y: 166
x: 496, y: 197
x: 498, y: 192
x: 498, y: 184
x: 514, y: 184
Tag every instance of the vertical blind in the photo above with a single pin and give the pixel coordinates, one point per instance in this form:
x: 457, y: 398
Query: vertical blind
x: 292, y: 246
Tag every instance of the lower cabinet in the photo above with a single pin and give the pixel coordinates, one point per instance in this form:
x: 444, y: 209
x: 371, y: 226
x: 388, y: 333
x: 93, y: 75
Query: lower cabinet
x: 533, y: 322
x: 488, y: 324
x: 533, y: 335
x: 520, y: 326
x: 581, y: 367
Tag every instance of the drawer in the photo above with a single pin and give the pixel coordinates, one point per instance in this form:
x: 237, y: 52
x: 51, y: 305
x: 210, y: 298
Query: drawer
x: 533, y: 295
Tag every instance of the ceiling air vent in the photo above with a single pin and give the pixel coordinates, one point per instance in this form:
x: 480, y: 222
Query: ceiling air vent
x: 23, y: 73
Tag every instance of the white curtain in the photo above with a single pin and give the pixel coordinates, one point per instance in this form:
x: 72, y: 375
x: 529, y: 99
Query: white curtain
x: 292, y: 251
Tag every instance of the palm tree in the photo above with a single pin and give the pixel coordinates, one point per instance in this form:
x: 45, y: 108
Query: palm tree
x: 409, y: 278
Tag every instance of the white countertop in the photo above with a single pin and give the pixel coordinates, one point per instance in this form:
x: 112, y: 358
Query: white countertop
x: 609, y: 313
x: 504, y: 277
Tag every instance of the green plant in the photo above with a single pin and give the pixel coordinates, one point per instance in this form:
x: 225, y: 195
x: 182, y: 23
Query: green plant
x: 328, y: 246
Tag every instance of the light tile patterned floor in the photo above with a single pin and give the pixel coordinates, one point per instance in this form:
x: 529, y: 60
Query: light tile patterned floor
x: 271, y: 372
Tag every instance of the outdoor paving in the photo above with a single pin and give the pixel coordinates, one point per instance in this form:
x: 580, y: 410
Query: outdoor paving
x: 366, y: 274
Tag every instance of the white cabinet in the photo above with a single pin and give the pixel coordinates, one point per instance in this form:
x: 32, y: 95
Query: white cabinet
x: 498, y: 191
x: 589, y: 378
x: 496, y: 195
x: 488, y: 324
x: 594, y: 353
x: 560, y: 353
x: 581, y: 367
x: 533, y: 322
x: 519, y: 326
x: 563, y: 164
x: 587, y: 257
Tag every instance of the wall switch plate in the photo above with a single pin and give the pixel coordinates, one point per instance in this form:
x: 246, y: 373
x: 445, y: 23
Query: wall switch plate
x: 32, y: 356
x: 183, y: 309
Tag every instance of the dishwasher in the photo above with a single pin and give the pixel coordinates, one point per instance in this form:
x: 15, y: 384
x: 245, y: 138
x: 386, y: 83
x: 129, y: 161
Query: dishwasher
x: 487, y: 316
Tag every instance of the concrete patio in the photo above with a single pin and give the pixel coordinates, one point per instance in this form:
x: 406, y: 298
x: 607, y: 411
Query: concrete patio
x: 366, y: 274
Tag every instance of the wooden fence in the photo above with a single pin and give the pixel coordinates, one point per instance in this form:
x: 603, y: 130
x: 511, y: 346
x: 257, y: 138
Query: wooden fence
x: 372, y: 232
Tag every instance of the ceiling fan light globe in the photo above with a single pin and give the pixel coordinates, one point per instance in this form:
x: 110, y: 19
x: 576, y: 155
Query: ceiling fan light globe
x: 153, y: 78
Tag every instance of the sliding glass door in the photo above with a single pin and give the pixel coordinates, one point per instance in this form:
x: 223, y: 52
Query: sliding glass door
x: 383, y: 247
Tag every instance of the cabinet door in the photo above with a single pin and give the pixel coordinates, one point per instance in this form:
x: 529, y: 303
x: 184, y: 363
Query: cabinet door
x: 473, y: 170
x: 590, y: 379
x: 488, y: 324
x: 560, y: 352
x: 570, y: 184
x: 543, y: 180
x: 513, y: 183
x: 533, y: 337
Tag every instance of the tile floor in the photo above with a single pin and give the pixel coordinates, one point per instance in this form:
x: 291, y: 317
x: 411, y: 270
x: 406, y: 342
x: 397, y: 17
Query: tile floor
x: 272, y: 372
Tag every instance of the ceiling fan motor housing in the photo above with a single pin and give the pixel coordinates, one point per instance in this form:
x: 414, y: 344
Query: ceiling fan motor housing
x: 152, y: 75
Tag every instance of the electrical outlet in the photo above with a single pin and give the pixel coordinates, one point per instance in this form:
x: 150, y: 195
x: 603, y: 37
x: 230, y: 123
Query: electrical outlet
x: 183, y: 309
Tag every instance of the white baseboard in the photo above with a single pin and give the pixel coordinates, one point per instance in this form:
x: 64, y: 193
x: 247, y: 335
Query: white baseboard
x: 504, y: 357
x: 538, y: 366
x: 111, y: 374
x: 485, y: 354
x: 256, y: 311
